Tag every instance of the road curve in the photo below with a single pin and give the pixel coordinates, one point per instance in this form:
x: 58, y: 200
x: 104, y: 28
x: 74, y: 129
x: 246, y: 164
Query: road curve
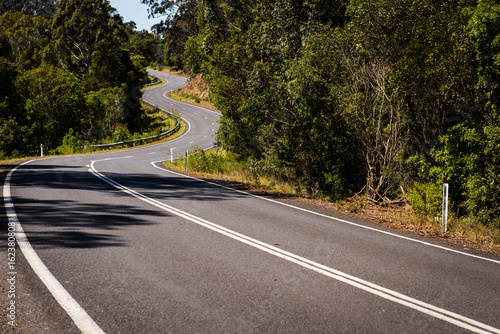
x: 143, y: 250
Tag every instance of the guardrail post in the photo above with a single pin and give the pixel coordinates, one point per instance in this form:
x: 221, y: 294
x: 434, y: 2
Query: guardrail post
x: 445, y: 207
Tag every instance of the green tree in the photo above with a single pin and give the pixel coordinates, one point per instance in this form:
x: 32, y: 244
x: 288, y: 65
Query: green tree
x: 91, y: 42
x: 427, y: 45
x: 484, y: 28
x: 275, y: 90
x: 105, y: 109
x: 54, y: 103
x: 177, y: 27
x: 44, y: 8
x: 482, y: 187
x: 79, y: 26
x: 9, y: 99
x: 467, y: 155
x: 143, y: 43
x: 28, y: 37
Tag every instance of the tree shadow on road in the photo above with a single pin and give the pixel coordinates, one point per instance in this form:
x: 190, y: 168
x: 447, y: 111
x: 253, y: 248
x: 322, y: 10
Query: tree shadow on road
x: 69, y: 207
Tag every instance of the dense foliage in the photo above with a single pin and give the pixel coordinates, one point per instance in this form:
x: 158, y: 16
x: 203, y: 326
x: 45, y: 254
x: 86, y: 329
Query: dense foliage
x: 378, y: 97
x: 383, y: 98
x: 71, y: 67
x: 45, y: 8
x: 177, y: 27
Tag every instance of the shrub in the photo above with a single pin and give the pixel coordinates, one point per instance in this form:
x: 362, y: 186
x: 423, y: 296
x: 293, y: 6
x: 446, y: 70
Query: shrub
x: 425, y: 198
x: 70, y: 145
x: 204, y: 162
x: 469, y: 160
x: 121, y: 134
x: 15, y: 154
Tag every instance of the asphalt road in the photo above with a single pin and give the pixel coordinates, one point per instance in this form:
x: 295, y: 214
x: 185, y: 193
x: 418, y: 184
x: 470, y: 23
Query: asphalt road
x: 129, y: 247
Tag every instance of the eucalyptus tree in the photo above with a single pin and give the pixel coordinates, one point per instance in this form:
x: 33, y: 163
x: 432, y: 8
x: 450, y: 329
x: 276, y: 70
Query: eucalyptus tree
x: 45, y: 8
x: 90, y: 41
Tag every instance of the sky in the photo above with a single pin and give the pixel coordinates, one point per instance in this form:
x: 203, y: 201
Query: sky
x: 134, y: 10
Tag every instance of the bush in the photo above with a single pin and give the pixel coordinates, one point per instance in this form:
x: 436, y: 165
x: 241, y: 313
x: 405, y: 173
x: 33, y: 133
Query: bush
x: 204, y: 162
x: 469, y: 160
x: 15, y: 154
x: 425, y: 198
x: 121, y: 134
x: 70, y: 145
x: 483, y: 187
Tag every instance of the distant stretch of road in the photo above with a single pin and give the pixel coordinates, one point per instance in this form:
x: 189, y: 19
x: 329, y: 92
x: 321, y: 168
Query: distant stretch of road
x: 118, y: 244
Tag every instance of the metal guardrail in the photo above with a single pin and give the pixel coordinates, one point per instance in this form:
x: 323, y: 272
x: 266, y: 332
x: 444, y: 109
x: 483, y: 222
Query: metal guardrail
x: 145, y: 139
x: 157, y: 81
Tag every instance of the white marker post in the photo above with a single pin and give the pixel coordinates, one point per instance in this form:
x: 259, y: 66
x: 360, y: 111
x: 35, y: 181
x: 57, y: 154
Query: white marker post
x: 41, y: 149
x: 171, y: 155
x: 186, y: 167
x: 445, y: 206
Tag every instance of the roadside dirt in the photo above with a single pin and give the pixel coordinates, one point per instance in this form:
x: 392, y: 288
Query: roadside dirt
x: 196, y: 87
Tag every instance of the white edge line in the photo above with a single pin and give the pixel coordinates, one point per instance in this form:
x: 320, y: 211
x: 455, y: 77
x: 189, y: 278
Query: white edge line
x: 81, y: 318
x: 429, y: 309
x: 329, y: 217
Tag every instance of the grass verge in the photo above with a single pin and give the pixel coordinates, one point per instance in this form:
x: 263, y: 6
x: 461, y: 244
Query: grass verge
x: 220, y: 165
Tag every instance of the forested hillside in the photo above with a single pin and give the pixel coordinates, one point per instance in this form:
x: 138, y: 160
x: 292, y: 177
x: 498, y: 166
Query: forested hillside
x: 377, y: 97
x: 69, y: 68
x: 383, y: 98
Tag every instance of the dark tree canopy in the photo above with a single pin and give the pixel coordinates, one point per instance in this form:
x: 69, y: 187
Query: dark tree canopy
x: 338, y: 97
x: 178, y: 26
x: 357, y: 96
x: 45, y: 8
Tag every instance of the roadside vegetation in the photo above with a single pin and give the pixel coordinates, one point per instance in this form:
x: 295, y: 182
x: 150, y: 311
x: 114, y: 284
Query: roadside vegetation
x: 155, y: 122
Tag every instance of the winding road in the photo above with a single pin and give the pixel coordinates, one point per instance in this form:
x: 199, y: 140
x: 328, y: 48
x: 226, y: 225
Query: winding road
x: 114, y: 243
